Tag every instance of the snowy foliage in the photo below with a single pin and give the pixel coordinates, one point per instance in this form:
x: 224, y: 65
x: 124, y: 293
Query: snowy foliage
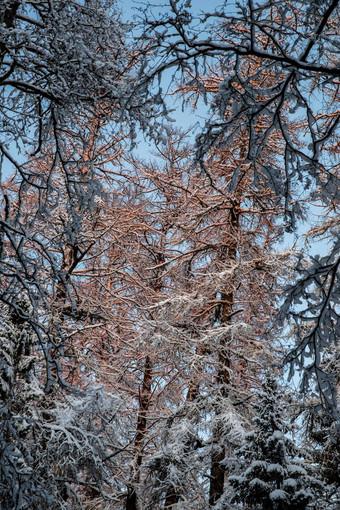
x: 65, y: 71
x: 322, y: 433
x: 270, y: 66
x: 314, y: 301
x: 138, y: 298
x: 53, y: 450
x: 277, y: 78
x: 56, y: 58
x: 19, y: 389
x: 273, y: 475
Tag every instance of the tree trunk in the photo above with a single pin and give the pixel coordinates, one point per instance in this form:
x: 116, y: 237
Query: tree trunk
x: 144, y: 402
x: 224, y: 364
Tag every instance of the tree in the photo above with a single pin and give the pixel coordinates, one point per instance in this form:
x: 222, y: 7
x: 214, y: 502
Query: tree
x: 281, y: 70
x: 152, y: 287
x: 58, y: 60
x: 321, y: 434
x: 187, y: 338
x: 64, y: 71
x: 18, y: 387
x: 129, y: 370
x: 271, y: 476
x: 55, y: 449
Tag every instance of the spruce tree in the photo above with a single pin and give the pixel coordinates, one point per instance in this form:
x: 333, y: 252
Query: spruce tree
x: 273, y: 475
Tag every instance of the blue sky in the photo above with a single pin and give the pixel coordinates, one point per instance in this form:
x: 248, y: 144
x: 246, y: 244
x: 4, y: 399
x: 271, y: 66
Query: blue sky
x: 129, y: 6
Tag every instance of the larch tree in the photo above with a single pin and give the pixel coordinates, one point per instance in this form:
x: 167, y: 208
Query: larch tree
x: 294, y: 86
x: 61, y: 226
x: 216, y: 303
x: 65, y: 72
x: 159, y: 283
x: 151, y: 288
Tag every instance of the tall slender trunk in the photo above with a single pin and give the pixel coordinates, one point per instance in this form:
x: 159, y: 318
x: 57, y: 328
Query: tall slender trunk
x: 224, y: 365
x: 144, y: 403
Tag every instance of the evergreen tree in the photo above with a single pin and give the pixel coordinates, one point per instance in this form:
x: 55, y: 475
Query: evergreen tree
x: 55, y: 450
x: 323, y: 433
x: 18, y: 388
x: 273, y: 476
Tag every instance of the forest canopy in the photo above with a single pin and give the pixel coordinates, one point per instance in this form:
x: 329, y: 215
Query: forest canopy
x: 169, y: 289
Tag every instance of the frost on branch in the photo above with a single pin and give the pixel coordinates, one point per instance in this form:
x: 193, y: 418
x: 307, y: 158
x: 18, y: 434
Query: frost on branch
x: 269, y: 70
x: 52, y: 447
x: 64, y: 70
x: 55, y: 59
x: 278, y: 62
x: 314, y: 305
x: 19, y: 389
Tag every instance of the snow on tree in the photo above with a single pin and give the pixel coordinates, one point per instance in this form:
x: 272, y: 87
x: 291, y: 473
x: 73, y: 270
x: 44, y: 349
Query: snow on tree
x: 65, y: 71
x: 321, y: 433
x: 292, y: 46
x: 58, y: 59
x: 330, y: 456
x: 19, y: 389
x: 280, y: 77
x: 174, y: 471
x: 215, y: 351
x: 273, y: 475
x: 313, y: 305
x: 75, y: 445
x: 55, y: 450
x: 159, y: 281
